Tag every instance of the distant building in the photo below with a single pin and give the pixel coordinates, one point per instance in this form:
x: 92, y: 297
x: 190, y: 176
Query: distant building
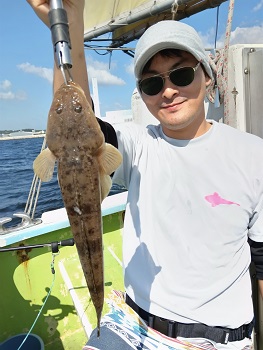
x: 118, y: 117
x: 20, y: 133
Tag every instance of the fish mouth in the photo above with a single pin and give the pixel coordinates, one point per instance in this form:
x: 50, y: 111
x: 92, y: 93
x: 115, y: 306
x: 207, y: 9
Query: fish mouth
x: 73, y: 84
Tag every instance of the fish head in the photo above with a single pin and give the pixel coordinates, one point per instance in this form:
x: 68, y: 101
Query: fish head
x: 72, y: 124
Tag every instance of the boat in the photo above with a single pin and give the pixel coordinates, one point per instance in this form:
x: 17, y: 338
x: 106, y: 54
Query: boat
x: 35, y: 269
x: 43, y: 290
x: 22, y: 135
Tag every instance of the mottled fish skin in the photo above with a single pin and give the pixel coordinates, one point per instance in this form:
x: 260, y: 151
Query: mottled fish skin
x: 75, y: 138
x: 80, y: 191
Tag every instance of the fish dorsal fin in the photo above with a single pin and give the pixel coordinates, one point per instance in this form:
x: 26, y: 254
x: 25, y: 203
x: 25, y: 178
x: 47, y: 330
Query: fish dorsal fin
x: 44, y: 165
x: 105, y: 185
x: 110, y: 159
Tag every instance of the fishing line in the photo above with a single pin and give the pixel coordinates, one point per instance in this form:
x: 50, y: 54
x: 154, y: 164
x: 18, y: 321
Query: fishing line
x: 44, y: 303
x: 217, y: 21
x: 217, y: 100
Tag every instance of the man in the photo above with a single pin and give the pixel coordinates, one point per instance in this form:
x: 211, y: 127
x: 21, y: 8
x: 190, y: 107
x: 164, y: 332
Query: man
x: 195, y: 198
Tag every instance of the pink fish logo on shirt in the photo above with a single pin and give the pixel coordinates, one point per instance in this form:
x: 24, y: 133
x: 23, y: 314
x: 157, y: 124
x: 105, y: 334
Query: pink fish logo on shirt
x: 215, y: 199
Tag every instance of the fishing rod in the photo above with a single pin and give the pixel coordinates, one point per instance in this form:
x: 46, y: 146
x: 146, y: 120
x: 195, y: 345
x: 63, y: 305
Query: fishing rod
x: 54, y: 246
x: 60, y: 37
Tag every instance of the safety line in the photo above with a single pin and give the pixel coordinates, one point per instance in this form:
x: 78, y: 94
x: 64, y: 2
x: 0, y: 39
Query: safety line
x: 39, y: 313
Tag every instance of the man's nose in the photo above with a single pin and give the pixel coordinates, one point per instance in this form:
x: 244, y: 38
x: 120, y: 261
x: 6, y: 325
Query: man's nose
x: 169, y: 89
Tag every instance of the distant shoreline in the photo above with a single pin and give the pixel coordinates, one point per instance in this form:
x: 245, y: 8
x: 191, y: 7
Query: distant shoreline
x: 5, y: 138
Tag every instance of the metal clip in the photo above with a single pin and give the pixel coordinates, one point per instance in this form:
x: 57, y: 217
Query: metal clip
x: 52, y: 264
x: 66, y: 74
x: 60, y: 37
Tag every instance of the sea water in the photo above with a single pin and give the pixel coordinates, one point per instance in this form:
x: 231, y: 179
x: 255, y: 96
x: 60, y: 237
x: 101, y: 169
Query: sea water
x: 16, y: 176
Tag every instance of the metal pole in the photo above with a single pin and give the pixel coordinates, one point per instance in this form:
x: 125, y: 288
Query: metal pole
x: 54, y: 246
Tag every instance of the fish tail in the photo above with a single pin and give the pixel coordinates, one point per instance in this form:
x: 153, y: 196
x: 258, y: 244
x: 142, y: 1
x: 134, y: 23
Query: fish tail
x: 98, y: 329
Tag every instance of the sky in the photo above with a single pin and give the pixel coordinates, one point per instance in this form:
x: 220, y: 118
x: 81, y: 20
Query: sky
x: 26, y: 60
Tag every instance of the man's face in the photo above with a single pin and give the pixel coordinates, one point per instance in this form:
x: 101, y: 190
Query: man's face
x: 179, y: 109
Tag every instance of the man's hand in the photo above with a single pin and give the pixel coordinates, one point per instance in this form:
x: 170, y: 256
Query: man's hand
x: 41, y: 8
x: 74, y: 9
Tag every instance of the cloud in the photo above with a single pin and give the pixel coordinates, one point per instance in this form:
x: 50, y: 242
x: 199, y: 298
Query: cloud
x: 252, y: 35
x: 21, y: 95
x: 101, y: 71
x: 245, y: 35
x: 46, y: 73
x: 5, y: 85
x: 258, y: 6
x: 130, y: 68
x: 208, y: 38
x: 7, y: 94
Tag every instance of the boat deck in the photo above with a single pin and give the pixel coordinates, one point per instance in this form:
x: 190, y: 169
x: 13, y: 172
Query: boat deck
x: 68, y: 315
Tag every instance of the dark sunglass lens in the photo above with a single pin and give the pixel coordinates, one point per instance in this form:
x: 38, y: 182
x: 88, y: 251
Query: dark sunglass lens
x: 182, y: 76
x: 151, y: 86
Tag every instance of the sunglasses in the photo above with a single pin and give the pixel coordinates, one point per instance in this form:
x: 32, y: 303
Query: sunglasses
x: 179, y: 76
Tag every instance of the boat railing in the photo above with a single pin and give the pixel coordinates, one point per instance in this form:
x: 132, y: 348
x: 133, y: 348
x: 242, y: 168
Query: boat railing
x: 26, y: 221
x: 54, y: 220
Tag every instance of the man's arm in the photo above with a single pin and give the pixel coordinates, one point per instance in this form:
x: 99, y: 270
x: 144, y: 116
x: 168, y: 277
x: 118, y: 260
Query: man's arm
x: 74, y: 9
x: 256, y: 249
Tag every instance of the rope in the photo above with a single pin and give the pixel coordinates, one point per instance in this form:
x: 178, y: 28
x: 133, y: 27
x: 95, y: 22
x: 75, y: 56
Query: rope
x: 44, y: 303
x: 174, y: 9
x: 34, y: 191
x: 217, y: 91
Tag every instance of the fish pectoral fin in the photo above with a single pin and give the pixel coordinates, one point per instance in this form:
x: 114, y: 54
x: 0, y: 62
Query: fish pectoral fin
x: 44, y: 165
x: 105, y: 185
x: 110, y: 159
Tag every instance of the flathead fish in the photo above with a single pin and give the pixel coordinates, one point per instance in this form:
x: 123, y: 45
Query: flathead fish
x: 85, y: 161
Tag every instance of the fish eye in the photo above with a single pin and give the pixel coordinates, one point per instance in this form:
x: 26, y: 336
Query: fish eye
x: 59, y: 109
x: 78, y: 108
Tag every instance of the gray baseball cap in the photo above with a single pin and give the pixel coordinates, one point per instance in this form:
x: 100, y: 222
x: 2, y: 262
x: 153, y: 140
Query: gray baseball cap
x: 169, y: 34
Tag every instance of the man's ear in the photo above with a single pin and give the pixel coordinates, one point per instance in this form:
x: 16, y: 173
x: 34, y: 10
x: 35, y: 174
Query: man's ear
x: 208, y: 80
